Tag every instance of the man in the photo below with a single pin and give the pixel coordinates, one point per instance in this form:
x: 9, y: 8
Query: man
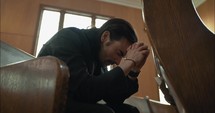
x: 87, y: 53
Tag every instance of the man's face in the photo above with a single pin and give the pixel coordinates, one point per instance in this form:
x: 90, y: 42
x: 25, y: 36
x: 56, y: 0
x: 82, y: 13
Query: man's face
x: 112, y: 51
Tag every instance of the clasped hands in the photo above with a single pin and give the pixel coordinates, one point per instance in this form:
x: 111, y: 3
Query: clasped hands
x: 135, y: 58
x: 138, y: 52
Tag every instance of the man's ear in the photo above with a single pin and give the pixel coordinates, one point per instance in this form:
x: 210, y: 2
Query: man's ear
x: 105, y: 36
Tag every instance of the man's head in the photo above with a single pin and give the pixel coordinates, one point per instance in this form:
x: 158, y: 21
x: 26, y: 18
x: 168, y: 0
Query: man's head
x: 116, y: 36
x: 119, y: 29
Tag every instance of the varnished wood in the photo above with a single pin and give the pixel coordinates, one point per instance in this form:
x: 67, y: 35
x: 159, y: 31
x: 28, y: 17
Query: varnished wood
x: 186, y: 50
x: 34, y: 86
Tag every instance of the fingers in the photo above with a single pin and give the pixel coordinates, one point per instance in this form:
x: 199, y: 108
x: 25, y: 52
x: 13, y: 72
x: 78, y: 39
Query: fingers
x: 142, y: 48
x: 138, y: 52
x: 143, y: 61
x: 137, y: 45
x: 137, y: 48
x: 144, y: 51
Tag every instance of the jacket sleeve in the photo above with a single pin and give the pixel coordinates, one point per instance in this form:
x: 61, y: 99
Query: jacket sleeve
x: 112, y: 86
x: 121, y: 90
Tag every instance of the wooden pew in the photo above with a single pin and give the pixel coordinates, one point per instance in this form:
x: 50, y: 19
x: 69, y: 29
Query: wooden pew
x: 186, y: 51
x: 38, y: 85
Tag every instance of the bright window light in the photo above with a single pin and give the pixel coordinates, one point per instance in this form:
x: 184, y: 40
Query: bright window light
x: 81, y: 22
x: 49, y: 26
x: 100, y: 22
x: 162, y: 99
x: 51, y: 21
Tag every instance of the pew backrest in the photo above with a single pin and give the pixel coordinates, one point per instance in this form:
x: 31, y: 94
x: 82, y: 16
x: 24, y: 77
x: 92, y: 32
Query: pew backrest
x: 186, y: 51
x: 34, y: 86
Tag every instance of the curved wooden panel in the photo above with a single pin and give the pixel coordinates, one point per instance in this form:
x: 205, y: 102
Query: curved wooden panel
x: 186, y: 50
x: 35, y: 86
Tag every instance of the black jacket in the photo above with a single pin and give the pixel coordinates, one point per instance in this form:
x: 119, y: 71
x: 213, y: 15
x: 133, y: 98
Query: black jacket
x: 79, y: 49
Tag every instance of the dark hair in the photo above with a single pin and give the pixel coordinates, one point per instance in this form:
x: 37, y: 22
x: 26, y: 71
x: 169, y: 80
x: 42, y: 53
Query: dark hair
x: 119, y: 29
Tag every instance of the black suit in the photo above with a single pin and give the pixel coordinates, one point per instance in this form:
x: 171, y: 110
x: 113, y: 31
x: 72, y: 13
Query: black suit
x: 79, y: 49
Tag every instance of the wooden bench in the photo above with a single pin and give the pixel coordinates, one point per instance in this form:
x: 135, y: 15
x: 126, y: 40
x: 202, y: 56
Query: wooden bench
x: 186, y: 52
x: 38, y: 85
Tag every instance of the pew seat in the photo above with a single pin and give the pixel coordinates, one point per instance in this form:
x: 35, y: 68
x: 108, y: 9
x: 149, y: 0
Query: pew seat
x: 147, y: 105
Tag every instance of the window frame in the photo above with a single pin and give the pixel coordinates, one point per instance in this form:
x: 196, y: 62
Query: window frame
x: 62, y: 12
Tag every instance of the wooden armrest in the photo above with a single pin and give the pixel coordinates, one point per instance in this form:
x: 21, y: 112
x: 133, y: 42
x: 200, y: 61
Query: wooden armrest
x: 34, y: 86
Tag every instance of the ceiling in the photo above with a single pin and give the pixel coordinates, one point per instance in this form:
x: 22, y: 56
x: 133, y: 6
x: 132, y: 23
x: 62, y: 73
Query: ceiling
x: 128, y: 3
x: 137, y: 3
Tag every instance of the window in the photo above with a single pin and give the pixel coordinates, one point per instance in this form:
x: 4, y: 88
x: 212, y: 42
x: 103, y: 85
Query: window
x: 53, y: 20
x: 48, y: 27
x: 100, y: 22
x: 72, y: 20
